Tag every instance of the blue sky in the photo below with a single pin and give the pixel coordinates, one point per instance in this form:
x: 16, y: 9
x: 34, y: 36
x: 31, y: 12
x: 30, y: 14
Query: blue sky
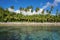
x: 35, y: 3
x: 23, y: 3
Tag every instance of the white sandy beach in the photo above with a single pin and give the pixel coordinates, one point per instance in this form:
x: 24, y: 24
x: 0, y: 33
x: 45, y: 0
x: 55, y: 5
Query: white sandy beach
x: 28, y: 24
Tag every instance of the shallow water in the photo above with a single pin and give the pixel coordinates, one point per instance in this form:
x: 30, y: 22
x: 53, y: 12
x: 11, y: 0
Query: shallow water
x: 29, y: 33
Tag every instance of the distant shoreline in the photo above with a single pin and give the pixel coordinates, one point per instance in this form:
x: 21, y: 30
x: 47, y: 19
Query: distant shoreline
x: 28, y: 24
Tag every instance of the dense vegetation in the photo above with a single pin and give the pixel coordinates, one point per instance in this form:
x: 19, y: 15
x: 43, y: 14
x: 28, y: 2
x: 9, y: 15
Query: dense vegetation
x: 6, y: 16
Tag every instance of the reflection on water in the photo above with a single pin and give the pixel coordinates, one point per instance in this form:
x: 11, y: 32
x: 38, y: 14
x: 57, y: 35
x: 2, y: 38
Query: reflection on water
x: 30, y: 33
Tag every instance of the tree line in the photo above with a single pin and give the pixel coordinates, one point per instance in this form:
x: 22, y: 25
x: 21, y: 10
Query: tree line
x: 7, y: 16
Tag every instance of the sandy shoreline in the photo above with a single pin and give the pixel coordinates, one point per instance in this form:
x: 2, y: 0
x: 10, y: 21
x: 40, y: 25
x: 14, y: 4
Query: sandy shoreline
x: 28, y: 24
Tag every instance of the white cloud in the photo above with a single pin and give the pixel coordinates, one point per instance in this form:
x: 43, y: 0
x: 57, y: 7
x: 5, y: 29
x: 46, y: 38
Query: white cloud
x: 55, y: 3
x: 40, y: 11
x: 47, y: 4
x: 17, y: 11
x: 57, y: 0
x: 29, y: 12
x: 11, y: 10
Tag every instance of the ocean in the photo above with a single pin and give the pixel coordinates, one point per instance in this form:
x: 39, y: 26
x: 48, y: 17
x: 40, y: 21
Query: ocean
x: 29, y: 33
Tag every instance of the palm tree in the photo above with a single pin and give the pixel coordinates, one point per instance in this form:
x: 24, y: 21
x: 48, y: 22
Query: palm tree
x: 2, y: 14
x: 26, y: 9
x: 37, y: 9
x: 29, y: 7
x: 57, y: 11
x: 43, y: 15
x: 12, y: 7
x: 49, y: 13
x: 43, y: 12
x: 21, y: 8
x: 51, y: 9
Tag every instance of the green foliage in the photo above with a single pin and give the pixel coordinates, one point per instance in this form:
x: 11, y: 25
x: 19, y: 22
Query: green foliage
x: 6, y: 16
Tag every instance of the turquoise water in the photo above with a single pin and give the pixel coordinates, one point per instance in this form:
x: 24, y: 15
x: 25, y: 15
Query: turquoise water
x: 29, y: 33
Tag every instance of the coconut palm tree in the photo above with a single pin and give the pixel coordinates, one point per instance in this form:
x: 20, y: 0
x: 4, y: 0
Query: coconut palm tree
x: 57, y: 11
x: 43, y: 12
x: 29, y: 7
x: 2, y: 14
x: 12, y: 7
x: 51, y: 9
x: 37, y: 9
x: 21, y: 8
x: 43, y: 15
x: 26, y: 9
x: 49, y: 13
